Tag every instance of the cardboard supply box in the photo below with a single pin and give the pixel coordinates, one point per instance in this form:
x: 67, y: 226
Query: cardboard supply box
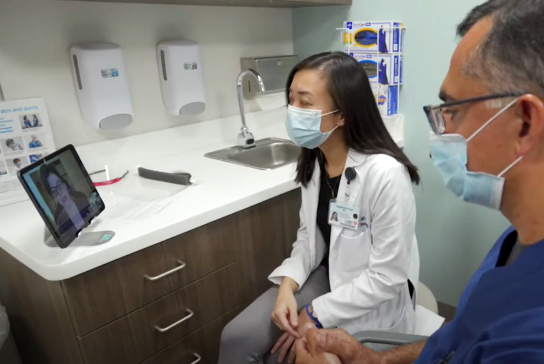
x: 387, y: 97
x: 373, y: 36
x: 386, y: 69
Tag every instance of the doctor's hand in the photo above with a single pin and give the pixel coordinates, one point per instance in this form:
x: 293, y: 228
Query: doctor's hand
x: 287, y: 341
x: 342, y: 345
x: 285, y: 314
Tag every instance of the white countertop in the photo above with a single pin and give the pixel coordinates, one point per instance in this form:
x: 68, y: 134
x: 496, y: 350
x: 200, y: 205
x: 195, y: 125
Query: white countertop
x: 221, y: 189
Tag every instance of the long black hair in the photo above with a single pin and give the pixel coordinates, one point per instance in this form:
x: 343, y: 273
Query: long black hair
x: 364, y: 130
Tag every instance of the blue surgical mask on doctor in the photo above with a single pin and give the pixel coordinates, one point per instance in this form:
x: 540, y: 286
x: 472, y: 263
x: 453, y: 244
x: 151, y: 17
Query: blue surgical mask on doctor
x: 449, y: 154
x: 304, y: 127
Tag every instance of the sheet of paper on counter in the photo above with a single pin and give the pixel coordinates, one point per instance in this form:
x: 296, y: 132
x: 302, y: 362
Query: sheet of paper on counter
x: 126, y: 208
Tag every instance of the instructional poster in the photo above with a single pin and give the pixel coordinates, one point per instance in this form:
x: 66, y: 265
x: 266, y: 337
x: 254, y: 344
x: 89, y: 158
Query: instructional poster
x: 25, y: 137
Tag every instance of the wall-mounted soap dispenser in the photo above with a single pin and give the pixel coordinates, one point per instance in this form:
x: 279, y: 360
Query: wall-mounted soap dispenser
x: 182, y: 80
x: 102, y: 85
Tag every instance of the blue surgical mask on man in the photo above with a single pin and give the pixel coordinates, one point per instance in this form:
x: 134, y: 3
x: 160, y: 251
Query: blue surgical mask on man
x: 449, y: 154
x: 304, y: 127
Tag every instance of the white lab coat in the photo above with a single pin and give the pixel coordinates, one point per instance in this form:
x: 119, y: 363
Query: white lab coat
x: 368, y: 271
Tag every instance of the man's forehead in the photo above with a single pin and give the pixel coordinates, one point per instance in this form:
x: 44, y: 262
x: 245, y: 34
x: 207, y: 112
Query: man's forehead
x: 458, y: 84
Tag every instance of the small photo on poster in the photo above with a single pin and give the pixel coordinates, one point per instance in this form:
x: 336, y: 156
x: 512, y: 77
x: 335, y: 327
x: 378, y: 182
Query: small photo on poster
x: 3, y: 169
x: 35, y: 142
x: 36, y: 157
x: 15, y: 164
x: 12, y: 146
x: 30, y: 121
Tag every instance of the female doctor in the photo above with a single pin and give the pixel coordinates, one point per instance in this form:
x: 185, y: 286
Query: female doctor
x: 355, y: 261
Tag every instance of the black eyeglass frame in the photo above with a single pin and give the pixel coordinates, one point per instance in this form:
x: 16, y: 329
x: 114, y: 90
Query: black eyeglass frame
x: 436, y: 118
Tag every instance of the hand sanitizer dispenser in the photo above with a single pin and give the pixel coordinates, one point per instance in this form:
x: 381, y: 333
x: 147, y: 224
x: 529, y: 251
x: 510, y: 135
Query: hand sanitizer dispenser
x: 102, y: 85
x: 182, y: 80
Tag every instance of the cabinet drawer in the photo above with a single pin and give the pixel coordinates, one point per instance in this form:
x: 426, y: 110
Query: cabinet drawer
x: 100, y: 296
x: 203, y: 344
x: 203, y: 250
x: 109, y: 292
x: 138, y: 336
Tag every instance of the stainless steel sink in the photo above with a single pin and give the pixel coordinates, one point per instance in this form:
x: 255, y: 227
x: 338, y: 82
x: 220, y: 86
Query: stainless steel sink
x: 267, y: 154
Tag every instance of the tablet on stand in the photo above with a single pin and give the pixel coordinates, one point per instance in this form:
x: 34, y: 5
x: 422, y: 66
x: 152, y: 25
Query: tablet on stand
x: 64, y: 195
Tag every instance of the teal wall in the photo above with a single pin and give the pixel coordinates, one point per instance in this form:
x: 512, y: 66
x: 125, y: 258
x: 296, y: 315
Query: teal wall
x: 453, y: 236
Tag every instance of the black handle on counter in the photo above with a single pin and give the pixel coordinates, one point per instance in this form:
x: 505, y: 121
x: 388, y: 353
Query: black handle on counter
x: 176, y: 178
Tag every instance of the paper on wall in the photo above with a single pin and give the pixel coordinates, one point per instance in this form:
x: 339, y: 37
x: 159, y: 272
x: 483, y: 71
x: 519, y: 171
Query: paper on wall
x: 25, y: 137
x: 271, y: 101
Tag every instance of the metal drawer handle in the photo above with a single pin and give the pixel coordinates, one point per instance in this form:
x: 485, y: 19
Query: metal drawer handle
x: 190, y: 314
x: 166, y: 273
x: 198, y: 358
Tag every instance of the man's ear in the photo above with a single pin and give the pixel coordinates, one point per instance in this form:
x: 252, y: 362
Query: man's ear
x: 530, y: 110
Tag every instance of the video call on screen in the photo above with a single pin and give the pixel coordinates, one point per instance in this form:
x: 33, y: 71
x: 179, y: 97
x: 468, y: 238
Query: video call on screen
x: 63, y: 193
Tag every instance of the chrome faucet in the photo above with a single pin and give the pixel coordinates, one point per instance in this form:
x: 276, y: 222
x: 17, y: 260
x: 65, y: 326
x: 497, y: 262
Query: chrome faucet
x: 245, y: 138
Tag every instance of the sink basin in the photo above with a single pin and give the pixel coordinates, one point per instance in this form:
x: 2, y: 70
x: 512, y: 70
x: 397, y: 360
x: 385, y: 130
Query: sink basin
x: 267, y: 154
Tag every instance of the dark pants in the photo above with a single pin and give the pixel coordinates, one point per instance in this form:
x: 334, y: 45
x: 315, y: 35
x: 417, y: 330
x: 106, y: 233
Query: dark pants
x: 249, y: 338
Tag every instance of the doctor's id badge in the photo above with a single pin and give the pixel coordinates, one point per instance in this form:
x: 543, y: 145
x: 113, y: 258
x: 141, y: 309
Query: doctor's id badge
x: 344, y: 215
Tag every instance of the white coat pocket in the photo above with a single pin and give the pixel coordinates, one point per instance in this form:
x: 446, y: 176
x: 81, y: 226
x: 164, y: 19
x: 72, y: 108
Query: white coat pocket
x: 354, y: 250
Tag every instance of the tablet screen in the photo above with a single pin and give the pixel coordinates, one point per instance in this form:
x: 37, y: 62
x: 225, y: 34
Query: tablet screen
x: 62, y: 191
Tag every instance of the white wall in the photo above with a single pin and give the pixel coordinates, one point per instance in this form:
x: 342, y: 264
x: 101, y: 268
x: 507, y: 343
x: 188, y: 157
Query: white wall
x: 35, y: 36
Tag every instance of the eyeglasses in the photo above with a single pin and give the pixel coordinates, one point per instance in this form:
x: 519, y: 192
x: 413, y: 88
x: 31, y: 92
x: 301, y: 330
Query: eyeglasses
x: 436, y: 117
x: 58, y: 189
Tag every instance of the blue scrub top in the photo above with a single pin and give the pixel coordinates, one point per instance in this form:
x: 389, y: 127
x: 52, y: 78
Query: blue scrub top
x: 500, y: 316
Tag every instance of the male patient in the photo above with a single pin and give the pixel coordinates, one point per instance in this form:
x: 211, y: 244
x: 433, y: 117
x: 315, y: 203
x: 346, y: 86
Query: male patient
x: 492, y: 117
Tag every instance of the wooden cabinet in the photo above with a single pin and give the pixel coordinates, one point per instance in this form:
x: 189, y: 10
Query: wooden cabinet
x: 38, y: 315
x: 123, y: 312
x: 109, y: 292
x: 153, y: 328
x: 263, y: 231
x: 252, y: 3
x: 202, y: 344
x: 203, y: 251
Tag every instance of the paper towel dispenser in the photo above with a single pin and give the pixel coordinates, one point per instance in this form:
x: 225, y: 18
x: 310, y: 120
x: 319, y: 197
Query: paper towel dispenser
x: 182, y: 79
x: 273, y: 70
